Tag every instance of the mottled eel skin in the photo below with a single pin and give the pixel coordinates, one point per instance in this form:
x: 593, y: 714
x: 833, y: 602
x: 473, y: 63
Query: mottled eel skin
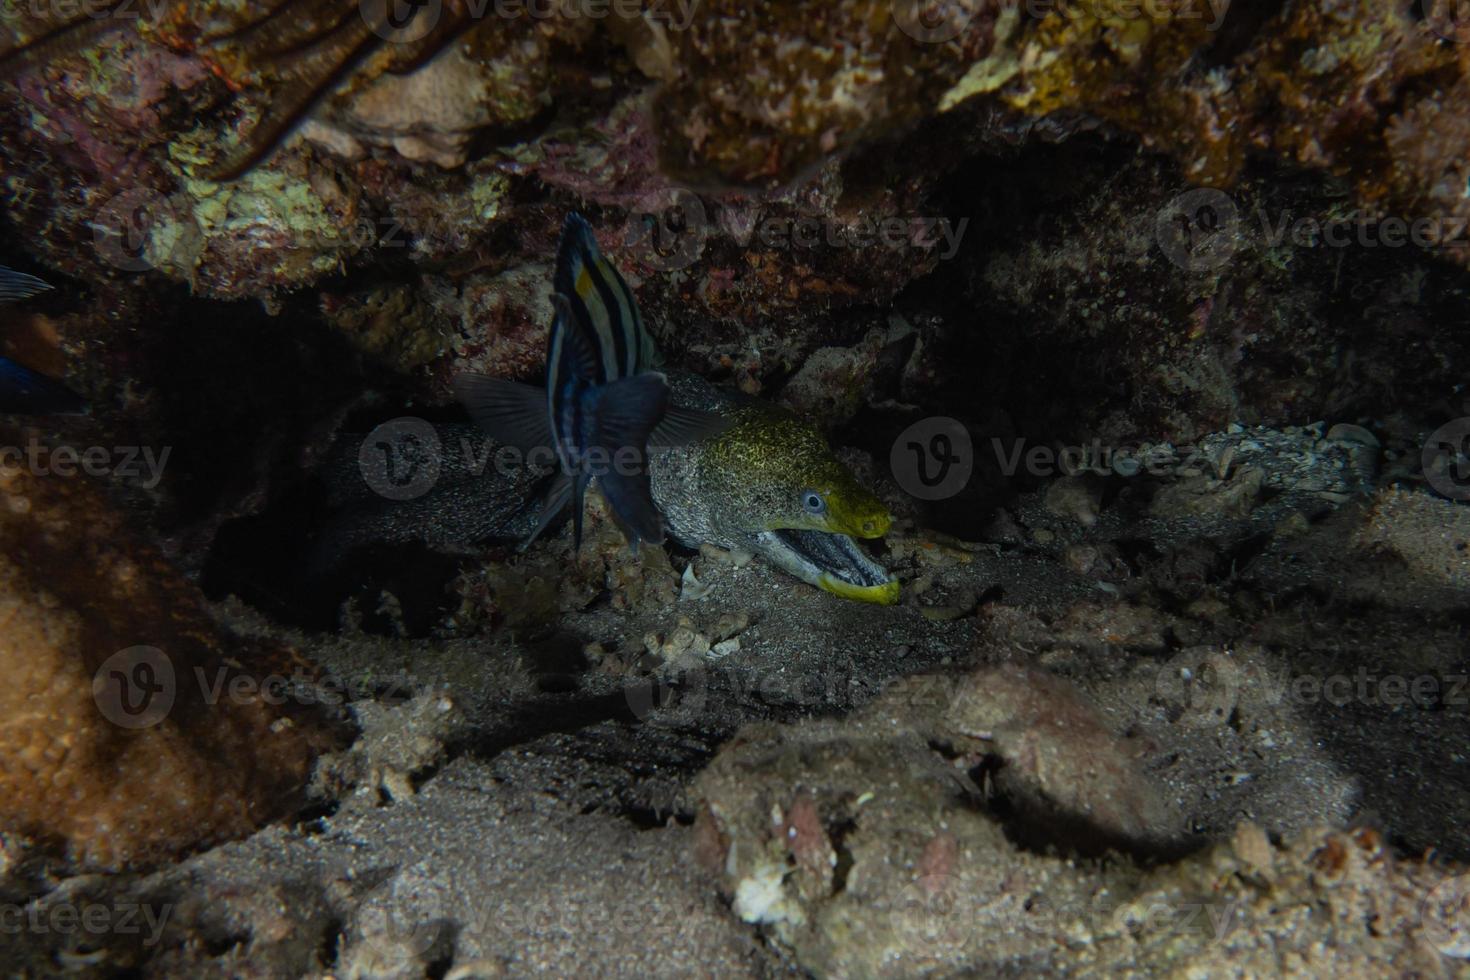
x: 768, y: 485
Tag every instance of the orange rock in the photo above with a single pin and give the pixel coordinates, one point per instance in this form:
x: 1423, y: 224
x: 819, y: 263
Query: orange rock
x: 132, y: 726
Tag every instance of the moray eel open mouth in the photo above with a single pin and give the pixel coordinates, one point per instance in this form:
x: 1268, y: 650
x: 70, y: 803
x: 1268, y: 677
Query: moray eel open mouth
x: 834, y: 562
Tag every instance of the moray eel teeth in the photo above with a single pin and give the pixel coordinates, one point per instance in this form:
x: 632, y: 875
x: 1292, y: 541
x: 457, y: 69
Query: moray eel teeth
x: 834, y: 562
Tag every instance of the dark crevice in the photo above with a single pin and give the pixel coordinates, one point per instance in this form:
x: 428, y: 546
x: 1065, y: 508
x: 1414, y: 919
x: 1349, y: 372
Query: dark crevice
x: 1244, y: 21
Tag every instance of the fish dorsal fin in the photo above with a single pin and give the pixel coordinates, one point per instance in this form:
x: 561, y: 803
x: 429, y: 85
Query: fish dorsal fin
x: 684, y: 426
x: 16, y: 286
x: 510, y: 412
x: 572, y: 352
x: 600, y: 299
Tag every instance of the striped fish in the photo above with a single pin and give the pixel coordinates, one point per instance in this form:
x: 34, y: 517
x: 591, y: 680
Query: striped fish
x: 603, y: 404
x: 15, y: 286
x: 23, y: 391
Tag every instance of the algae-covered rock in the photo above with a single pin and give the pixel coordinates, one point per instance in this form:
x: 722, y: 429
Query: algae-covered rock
x: 137, y: 728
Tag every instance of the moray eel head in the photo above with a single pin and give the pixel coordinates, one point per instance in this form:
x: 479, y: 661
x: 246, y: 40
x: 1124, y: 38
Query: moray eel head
x: 799, y: 506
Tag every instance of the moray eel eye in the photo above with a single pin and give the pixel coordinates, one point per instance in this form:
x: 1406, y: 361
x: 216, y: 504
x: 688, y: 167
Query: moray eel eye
x: 813, y: 504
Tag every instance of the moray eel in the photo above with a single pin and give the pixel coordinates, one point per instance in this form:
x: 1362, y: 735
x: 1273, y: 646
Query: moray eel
x: 720, y: 468
x: 770, y: 485
x: 740, y: 474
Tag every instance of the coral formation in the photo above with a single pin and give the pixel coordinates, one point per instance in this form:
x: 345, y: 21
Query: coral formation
x: 1176, y: 682
x: 136, y: 728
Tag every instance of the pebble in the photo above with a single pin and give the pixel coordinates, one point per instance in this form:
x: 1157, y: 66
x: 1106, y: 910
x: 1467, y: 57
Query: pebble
x: 692, y: 588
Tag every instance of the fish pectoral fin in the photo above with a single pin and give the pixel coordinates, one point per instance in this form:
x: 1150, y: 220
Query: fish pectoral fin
x: 684, y: 426
x: 556, y: 502
x: 626, y: 412
x: 511, y: 412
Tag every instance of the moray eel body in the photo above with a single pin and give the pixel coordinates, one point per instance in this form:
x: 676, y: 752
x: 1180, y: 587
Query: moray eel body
x: 767, y: 484
x: 770, y: 485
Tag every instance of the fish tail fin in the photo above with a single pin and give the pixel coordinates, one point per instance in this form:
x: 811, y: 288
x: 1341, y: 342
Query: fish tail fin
x: 625, y: 414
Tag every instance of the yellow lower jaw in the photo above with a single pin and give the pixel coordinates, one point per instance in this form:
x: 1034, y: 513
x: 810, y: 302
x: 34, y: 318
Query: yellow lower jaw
x: 883, y: 595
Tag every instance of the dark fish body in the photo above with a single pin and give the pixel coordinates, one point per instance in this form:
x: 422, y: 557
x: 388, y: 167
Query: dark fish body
x: 23, y: 391
x: 27, y: 392
x: 602, y: 402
